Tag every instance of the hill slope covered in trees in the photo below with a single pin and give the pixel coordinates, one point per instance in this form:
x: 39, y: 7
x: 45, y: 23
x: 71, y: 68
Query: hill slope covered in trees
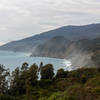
x: 80, y: 84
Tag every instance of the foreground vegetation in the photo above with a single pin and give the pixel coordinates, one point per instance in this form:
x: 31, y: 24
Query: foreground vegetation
x: 24, y: 83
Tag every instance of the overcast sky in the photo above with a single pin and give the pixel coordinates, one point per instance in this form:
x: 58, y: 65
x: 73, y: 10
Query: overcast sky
x: 23, y: 18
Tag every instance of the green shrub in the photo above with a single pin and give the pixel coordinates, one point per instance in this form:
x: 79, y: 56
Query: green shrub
x: 6, y: 97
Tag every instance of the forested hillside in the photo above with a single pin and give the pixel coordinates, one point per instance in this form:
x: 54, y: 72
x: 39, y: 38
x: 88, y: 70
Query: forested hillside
x: 24, y: 83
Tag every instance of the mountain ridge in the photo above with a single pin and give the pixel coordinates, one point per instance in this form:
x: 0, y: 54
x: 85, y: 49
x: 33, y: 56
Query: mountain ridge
x: 71, y: 42
x: 70, y: 32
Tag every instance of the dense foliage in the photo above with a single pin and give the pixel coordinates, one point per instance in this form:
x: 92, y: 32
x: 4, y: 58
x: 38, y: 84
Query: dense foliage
x: 25, y: 83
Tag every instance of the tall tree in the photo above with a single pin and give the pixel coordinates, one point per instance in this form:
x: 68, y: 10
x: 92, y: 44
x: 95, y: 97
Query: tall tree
x: 24, y: 66
x: 15, y: 81
x: 4, y: 73
x: 61, y: 73
x: 32, y: 76
x: 47, y: 72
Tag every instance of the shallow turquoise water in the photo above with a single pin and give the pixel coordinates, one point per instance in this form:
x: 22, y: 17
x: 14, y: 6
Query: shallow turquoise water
x: 12, y: 60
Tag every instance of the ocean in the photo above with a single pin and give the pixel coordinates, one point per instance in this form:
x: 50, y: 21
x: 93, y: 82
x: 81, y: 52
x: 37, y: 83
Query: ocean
x: 12, y: 60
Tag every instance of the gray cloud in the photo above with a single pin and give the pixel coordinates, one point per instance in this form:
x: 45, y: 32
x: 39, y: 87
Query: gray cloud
x: 22, y: 18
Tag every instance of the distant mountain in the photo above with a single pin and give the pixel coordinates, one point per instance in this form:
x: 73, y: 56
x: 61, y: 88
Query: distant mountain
x: 54, y: 47
x: 71, y: 33
x: 72, y: 42
x: 84, y: 53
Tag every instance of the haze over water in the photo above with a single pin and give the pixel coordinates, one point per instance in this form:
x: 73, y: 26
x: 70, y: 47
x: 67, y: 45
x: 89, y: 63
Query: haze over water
x: 12, y: 60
